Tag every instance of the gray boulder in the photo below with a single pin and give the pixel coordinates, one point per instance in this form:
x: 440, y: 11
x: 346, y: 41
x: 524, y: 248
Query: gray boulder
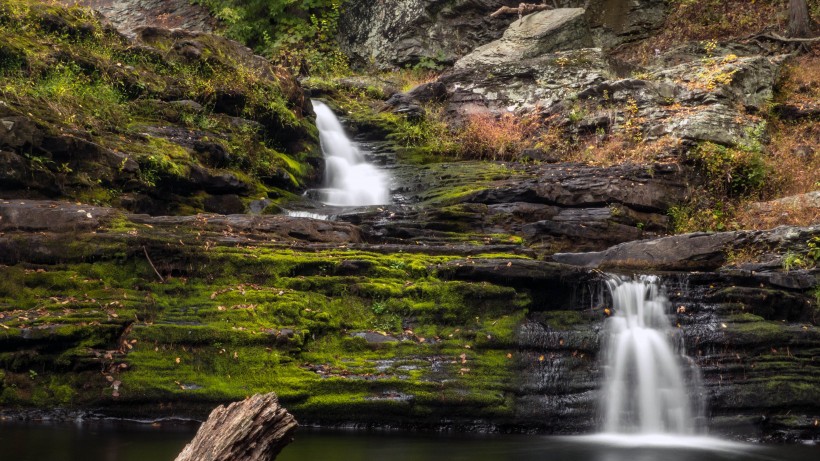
x: 532, y: 36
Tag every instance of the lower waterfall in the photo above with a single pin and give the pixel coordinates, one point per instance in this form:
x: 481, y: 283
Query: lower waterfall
x: 648, y: 387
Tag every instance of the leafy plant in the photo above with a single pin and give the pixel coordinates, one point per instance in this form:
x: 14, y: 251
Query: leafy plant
x: 793, y: 260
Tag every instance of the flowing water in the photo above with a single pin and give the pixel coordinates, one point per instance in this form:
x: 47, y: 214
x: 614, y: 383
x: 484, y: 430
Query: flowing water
x: 648, y: 384
x: 349, y: 179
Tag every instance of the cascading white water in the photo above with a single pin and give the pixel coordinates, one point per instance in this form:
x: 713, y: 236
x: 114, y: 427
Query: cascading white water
x: 349, y: 179
x: 645, y: 389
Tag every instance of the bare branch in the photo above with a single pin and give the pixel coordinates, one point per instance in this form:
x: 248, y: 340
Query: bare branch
x: 522, y: 10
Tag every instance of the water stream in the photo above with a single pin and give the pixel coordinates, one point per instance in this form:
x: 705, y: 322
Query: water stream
x: 350, y: 180
x: 649, y: 385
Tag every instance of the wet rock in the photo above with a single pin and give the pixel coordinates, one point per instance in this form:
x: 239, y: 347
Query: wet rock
x: 409, y: 104
x: 212, y: 153
x: 645, y: 188
x: 522, y: 273
x: 187, y: 105
x: 36, y: 216
x: 285, y: 227
x: 532, y: 36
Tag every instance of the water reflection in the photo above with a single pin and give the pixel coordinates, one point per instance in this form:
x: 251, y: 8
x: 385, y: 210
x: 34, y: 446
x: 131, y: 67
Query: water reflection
x: 108, y: 442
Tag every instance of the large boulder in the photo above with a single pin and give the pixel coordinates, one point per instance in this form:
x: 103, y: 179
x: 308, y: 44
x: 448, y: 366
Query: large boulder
x: 525, y: 84
x: 533, y: 35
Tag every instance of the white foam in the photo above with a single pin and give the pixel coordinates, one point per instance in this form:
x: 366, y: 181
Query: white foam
x: 349, y: 179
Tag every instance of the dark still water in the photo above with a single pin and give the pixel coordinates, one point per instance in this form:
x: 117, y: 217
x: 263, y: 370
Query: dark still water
x: 95, y: 442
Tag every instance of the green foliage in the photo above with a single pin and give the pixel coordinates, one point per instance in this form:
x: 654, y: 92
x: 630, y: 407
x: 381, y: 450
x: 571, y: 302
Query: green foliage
x: 803, y: 260
x: 813, y: 252
x: 792, y: 260
x: 297, y: 33
x: 731, y: 171
x: 717, y: 217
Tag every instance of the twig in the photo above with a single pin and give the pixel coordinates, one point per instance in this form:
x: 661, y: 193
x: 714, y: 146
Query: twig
x: 145, y: 250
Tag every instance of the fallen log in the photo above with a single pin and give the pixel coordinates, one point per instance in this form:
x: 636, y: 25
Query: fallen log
x: 522, y: 10
x: 255, y: 429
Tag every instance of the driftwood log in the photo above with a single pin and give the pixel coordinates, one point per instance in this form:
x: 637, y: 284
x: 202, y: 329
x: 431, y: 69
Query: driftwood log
x: 522, y: 10
x: 255, y: 429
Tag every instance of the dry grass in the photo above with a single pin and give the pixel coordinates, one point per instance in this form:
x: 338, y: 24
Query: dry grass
x: 794, y: 157
x: 618, y: 149
x: 800, y: 79
x: 501, y: 137
x: 794, y: 147
x: 797, y: 211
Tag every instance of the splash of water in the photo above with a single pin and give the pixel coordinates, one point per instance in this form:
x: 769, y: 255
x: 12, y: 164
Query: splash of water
x: 645, y: 390
x: 349, y: 179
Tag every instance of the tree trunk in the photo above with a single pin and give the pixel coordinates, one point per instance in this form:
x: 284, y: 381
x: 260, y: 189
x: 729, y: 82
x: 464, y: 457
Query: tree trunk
x: 798, y: 18
x: 256, y: 429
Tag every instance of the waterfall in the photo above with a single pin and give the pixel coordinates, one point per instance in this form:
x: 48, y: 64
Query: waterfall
x: 349, y: 180
x: 645, y: 388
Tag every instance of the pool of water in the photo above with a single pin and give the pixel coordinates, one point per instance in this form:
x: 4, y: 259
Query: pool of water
x: 117, y: 442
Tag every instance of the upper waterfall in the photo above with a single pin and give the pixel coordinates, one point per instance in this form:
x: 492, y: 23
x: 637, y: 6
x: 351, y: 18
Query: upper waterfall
x: 349, y: 179
x: 645, y: 390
